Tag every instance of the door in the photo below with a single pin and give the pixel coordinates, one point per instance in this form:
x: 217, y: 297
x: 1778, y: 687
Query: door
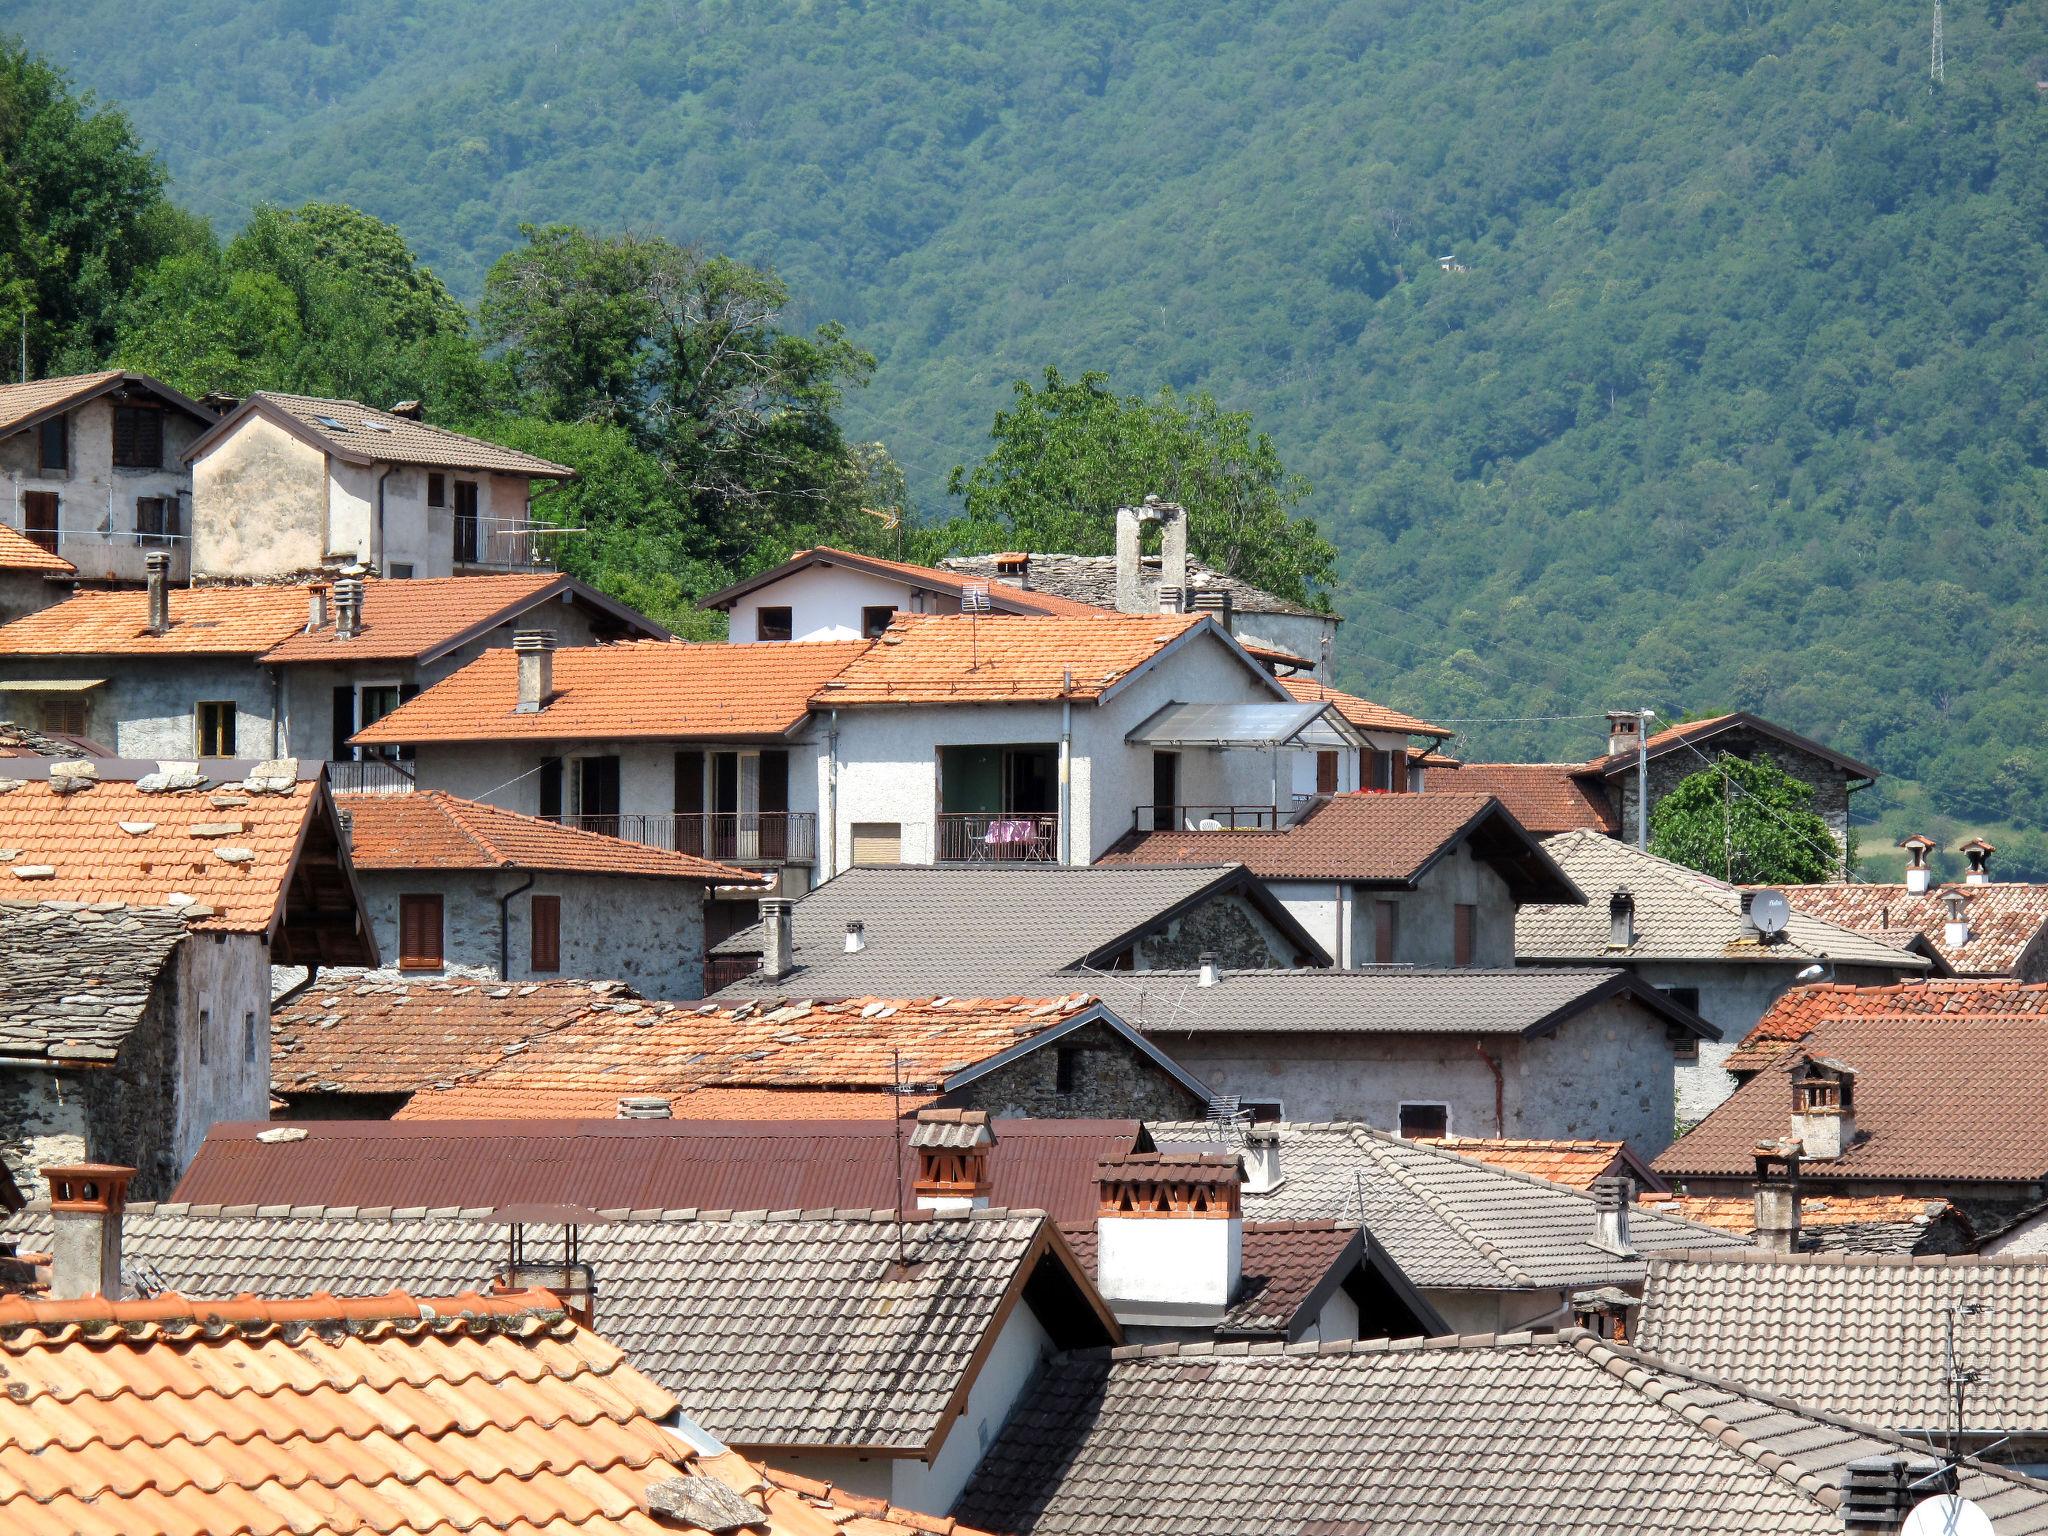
x: 1031, y: 777
x: 1165, y: 790
x: 39, y: 518
x: 689, y: 821
x: 725, y: 805
x: 774, y: 793
x: 465, y: 522
x: 597, y: 794
x: 1326, y: 773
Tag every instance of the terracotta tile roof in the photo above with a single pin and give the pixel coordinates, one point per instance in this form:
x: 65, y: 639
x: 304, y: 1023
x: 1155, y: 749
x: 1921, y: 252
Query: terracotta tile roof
x: 20, y: 401
x: 940, y: 660
x: 1574, y: 1164
x: 2006, y: 918
x: 1798, y: 1010
x: 21, y: 553
x: 1376, y: 839
x: 672, y: 1052
x: 1959, y: 1104
x: 634, y: 690
x: 431, y: 829
x: 1547, y: 798
x: 1827, y: 1223
x: 1004, y: 595
x: 364, y: 434
x: 1363, y: 713
x: 420, y: 618
x: 431, y: 1417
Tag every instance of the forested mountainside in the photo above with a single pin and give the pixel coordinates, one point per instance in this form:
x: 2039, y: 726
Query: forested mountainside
x: 1730, y: 393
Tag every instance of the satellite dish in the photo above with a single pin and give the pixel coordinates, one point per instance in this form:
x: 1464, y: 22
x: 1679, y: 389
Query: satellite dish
x: 1946, y: 1515
x: 1769, y: 912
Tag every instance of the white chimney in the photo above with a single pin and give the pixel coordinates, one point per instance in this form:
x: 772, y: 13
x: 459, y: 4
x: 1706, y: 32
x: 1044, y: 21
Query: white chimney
x: 1621, y: 919
x: 1624, y: 730
x: 856, y: 937
x: 86, y: 1202
x: 778, y: 943
x: 1823, y: 1107
x: 535, y: 649
x: 158, y: 565
x: 1169, y: 1236
x: 1210, y: 971
x: 1978, y: 852
x: 1261, y: 1159
x: 316, y: 606
x: 952, y: 1148
x: 645, y: 1106
x: 1613, y: 1193
x: 1919, y: 878
x: 1955, y: 927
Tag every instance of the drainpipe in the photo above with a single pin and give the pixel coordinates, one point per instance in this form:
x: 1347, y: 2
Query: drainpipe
x: 505, y: 928
x: 1067, y: 766
x: 831, y: 848
x: 1500, y: 1090
x: 277, y: 712
x: 377, y: 533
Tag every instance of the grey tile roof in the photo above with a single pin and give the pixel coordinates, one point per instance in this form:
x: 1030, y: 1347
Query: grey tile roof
x: 1449, y: 1222
x: 362, y: 431
x: 1521, y: 1433
x: 1091, y: 579
x: 774, y: 1330
x: 1680, y: 915
x: 967, y: 931
x: 75, y: 980
x: 1860, y: 1335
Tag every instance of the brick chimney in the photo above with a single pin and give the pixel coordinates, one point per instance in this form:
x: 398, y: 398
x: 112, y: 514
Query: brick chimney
x: 778, y: 943
x: 1173, y: 560
x: 535, y: 649
x: 1613, y: 1193
x: 1823, y: 1107
x: 1978, y: 852
x: 1955, y: 919
x: 1624, y: 730
x: 1919, y: 878
x: 86, y: 1202
x: 1169, y: 1236
x: 1621, y: 919
x: 952, y: 1148
x: 158, y: 565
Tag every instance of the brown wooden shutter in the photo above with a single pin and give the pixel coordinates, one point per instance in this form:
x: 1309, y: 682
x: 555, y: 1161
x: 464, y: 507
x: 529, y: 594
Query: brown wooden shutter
x: 419, y: 932
x: 1461, y: 934
x: 1326, y: 773
x: 547, y: 933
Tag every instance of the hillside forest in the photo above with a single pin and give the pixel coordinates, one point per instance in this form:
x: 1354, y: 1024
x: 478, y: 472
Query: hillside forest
x: 1683, y: 356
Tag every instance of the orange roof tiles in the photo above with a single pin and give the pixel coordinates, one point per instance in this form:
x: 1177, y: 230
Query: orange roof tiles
x: 1547, y: 798
x: 586, y: 1068
x: 1737, y: 1213
x: 1004, y: 594
x: 1363, y: 713
x: 391, y: 1415
x: 1575, y: 1164
x: 2006, y: 918
x: 404, y: 619
x: 432, y: 829
x: 636, y: 689
x: 947, y: 660
x: 1798, y: 1011
x: 18, y: 552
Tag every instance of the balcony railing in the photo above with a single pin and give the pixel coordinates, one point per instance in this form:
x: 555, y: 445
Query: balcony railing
x: 729, y: 837
x: 998, y: 837
x: 372, y: 776
x: 1212, y: 818
x: 514, y: 543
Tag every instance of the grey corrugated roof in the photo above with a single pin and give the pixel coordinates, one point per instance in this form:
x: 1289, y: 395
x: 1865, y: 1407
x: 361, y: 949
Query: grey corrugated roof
x: 1371, y: 1000
x: 1523, y: 1433
x: 1243, y: 725
x: 75, y: 980
x: 1450, y: 1222
x: 1860, y: 1335
x: 970, y: 931
x: 1680, y: 914
x: 774, y: 1330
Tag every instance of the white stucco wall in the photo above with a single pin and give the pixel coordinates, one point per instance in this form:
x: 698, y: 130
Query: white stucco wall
x: 824, y: 603
x: 96, y: 500
x: 259, y: 504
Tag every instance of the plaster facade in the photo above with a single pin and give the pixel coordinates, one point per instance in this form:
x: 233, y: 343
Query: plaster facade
x: 1344, y: 917
x: 826, y: 602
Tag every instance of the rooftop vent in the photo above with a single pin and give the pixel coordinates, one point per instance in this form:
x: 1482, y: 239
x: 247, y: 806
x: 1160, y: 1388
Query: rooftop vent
x: 536, y: 651
x: 348, y: 607
x: 1955, y: 923
x: 409, y: 409
x: 1919, y: 878
x: 645, y: 1106
x: 1621, y: 919
x: 856, y: 936
x: 1978, y: 852
x: 778, y: 944
x: 1613, y: 1193
x: 1210, y: 971
x: 158, y: 565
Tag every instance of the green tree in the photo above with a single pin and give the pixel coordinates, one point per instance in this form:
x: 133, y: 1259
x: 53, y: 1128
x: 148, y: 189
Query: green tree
x: 1068, y: 455
x: 1745, y: 821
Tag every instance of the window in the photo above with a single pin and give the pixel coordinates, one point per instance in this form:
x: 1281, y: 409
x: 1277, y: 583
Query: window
x: 1386, y: 927
x: 466, y: 541
x: 1066, y: 1069
x: 1326, y: 773
x: 156, y: 519
x: 64, y: 716
x: 874, y: 620
x: 138, y: 437
x: 419, y: 933
x: 1420, y: 1120
x: 437, y: 490
x: 1262, y: 1111
x: 53, y: 446
x: 773, y: 624
x: 1462, y: 917
x: 215, y: 722
x: 547, y: 933
x: 205, y: 1034
x: 39, y: 519
x: 878, y: 842
x: 1685, y: 997
x: 252, y: 1037
x: 400, y: 571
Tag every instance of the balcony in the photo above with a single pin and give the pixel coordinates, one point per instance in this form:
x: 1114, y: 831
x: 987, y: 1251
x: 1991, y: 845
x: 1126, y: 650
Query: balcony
x: 372, y: 776
x: 494, y: 543
x: 102, y: 553
x: 998, y: 837
x: 1213, y: 818
x: 743, y: 838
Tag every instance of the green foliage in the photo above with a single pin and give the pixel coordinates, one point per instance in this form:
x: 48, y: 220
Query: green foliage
x: 1747, y: 822
x: 1068, y: 455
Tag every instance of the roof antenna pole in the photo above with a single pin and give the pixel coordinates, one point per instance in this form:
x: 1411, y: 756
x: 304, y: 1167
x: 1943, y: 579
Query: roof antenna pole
x: 896, y: 1121
x: 24, y: 344
x: 1643, y: 779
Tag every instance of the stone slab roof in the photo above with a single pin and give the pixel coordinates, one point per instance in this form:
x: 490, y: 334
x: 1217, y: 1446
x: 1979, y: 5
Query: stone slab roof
x: 1692, y: 736
x: 1473, y: 1437
x: 1003, y: 596
x: 1869, y: 1332
x: 1547, y: 798
x: 76, y: 980
x: 1091, y: 579
x: 2005, y: 917
x: 1887, y: 1224
x: 1575, y: 1164
x: 362, y: 434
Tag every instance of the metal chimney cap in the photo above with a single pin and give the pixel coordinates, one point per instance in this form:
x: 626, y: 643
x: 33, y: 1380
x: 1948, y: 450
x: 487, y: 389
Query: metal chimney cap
x: 645, y: 1106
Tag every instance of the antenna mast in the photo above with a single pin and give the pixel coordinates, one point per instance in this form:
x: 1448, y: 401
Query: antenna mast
x: 1935, y: 74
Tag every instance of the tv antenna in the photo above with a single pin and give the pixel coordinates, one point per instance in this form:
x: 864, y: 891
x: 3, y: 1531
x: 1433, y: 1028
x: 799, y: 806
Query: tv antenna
x: 974, y: 602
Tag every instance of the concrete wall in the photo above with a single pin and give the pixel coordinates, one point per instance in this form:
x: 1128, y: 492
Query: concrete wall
x: 96, y: 510
x: 1295, y: 633
x: 1342, y: 916
x: 646, y: 933
x: 1830, y: 787
x: 1110, y: 1080
x: 1498, y: 1311
x: 825, y: 603
x: 25, y: 592
x: 259, y: 504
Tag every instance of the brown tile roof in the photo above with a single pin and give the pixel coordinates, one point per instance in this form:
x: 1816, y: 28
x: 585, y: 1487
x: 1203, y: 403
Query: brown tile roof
x: 1547, y: 798
x: 18, y: 552
x: 441, y: 1416
x: 424, y: 618
x: 1798, y: 1010
x: 1574, y: 1164
x: 2006, y: 918
x: 363, y: 434
x: 1960, y: 1104
x: 1363, y: 713
x: 431, y: 829
x: 21, y: 404
x: 1006, y: 597
x: 1694, y: 734
x: 942, y: 660
x: 637, y: 689
x: 1831, y: 1223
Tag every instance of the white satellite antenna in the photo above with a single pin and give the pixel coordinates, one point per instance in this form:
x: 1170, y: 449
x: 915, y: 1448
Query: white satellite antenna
x: 1769, y: 912
x: 1947, y: 1514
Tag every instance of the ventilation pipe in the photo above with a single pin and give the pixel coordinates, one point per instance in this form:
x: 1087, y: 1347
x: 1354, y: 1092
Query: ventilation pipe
x: 856, y: 937
x: 1613, y: 1193
x: 158, y: 565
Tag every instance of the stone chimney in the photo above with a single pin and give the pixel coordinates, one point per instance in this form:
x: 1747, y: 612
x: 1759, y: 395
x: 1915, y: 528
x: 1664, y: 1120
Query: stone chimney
x: 86, y: 1202
x: 1777, y: 1200
x: 316, y: 606
x: 1823, y: 1108
x: 409, y: 409
x: 952, y: 1148
x: 1261, y: 1160
x: 348, y: 607
x: 535, y: 649
x: 1613, y: 1193
x: 1978, y: 852
x: 1919, y: 878
x: 778, y: 942
x: 1955, y: 919
x: 158, y: 565
x: 1173, y: 559
x: 1621, y: 919
x: 1624, y: 731
x: 1169, y: 1236
x: 856, y: 936
x: 645, y: 1106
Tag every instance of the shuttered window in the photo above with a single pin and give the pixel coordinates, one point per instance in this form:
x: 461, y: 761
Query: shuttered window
x: 1461, y: 933
x: 1326, y: 773
x: 53, y: 445
x: 138, y: 437
x: 878, y: 842
x: 214, y: 728
x: 547, y: 933
x: 156, y: 520
x: 419, y: 932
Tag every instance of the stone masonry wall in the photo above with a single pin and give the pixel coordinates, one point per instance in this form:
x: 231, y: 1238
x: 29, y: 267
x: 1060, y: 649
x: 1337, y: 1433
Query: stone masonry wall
x: 1228, y: 927
x: 1830, y: 787
x: 1110, y: 1079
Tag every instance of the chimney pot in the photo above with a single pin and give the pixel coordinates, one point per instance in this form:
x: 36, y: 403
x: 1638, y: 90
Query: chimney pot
x: 1823, y: 1108
x: 1210, y: 972
x: 348, y: 608
x: 952, y: 1149
x: 856, y: 936
x: 1261, y: 1160
x: 1613, y: 1193
x: 1978, y: 852
x: 1169, y: 1235
x: 1624, y: 731
x: 1955, y: 927
x: 1170, y: 599
x: 1621, y: 919
x: 86, y: 1202
x: 158, y: 566
x: 316, y: 606
x: 778, y: 943
x: 645, y: 1106
x: 535, y: 649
